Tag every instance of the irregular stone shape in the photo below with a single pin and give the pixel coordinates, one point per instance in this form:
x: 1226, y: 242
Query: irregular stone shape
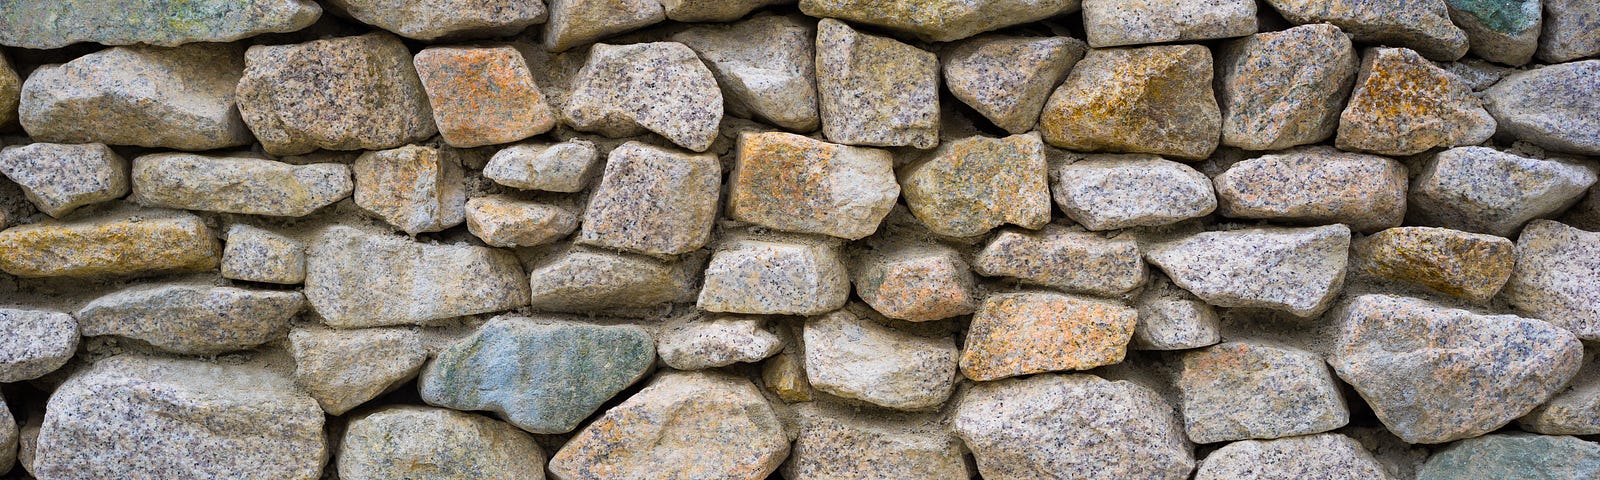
x: 1080, y: 262
x: 1557, y: 277
x: 577, y: 22
x: 154, y: 22
x: 1245, y: 390
x: 1571, y: 30
x: 1316, y: 185
x: 121, y: 242
x: 1460, y: 264
x: 144, y: 417
x: 542, y: 377
x: 785, y: 373
x: 1514, y: 455
x: 1328, y: 456
x: 9, y: 436
x: 343, y: 369
x: 562, y: 167
x: 1173, y: 319
x: 794, y: 183
x: 1031, y: 332
x: 237, y: 184
x: 939, y: 20
x: 10, y: 93
x: 34, y: 343
x: 765, y: 65
x: 1404, y: 105
x: 346, y: 93
x: 1297, y: 270
x: 972, y: 185
x: 356, y: 280
x: 1071, y: 426
x: 482, y: 95
x: 1434, y: 374
x: 1137, y: 100
x: 60, y: 178
x: 415, y: 188
x: 682, y: 425
x: 192, y: 319
x: 579, y: 281
x: 1553, y: 106
x: 1478, y: 73
x: 179, y: 98
x: 713, y: 10
x: 1282, y: 89
x: 259, y: 255
x: 1574, y: 410
x: 1008, y: 79
x: 1111, y: 192
x: 874, y: 90
x: 406, y: 441
x: 840, y: 443
x: 654, y: 201
x: 1422, y: 25
x: 502, y: 221
x: 1112, y: 23
x: 1483, y: 190
x: 661, y: 87
x: 697, y: 343
x: 430, y: 20
x: 1504, y: 31
x: 851, y: 354
x: 916, y: 284
x: 776, y: 276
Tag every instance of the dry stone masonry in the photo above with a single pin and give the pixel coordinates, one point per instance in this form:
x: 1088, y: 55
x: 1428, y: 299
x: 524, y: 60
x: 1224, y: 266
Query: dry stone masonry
x: 800, y: 239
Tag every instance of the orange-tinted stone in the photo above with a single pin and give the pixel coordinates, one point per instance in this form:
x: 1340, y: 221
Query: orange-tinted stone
x: 482, y: 95
x: 1456, y: 263
x: 1404, y: 105
x: 124, y: 242
x: 1032, y: 332
x: 917, y: 284
x: 1137, y: 100
x: 789, y: 182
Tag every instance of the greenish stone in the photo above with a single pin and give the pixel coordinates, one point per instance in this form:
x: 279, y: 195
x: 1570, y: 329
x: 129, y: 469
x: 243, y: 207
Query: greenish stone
x: 1515, y: 455
x: 58, y: 23
x: 540, y: 375
x: 1504, y: 16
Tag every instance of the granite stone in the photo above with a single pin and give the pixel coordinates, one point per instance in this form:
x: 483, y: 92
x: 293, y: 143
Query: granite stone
x: 237, y: 184
x: 408, y: 441
x: 853, y: 353
x: 1156, y: 100
x: 766, y: 66
x: 356, y: 279
x: 939, y: 20
x: 653, y: 200
x: 1571, y: 30
x: 1327, y: 456
x: 1064, y: 259
x: 1033, y: 332
x: 1465, y: 265
x: 1242, y: 390
x: 343, y: 369
x: 836, y: 442
x: 660, y: 87
x: 699, y: 341
x: 1557, y: 277
x: 1404, y: 105
x: 34, y: 343
x: 1421, y: 25
x: 1114, y: 23
x: 192, y: 319
x: 1111, y: 192
x: 414, y: 188
x: 154, y: 22
x: 1007, y: 79
x: 798, y: 184
x: 430, y: 20
x: 1296, y: 270
x: 783, y: 275
x: 577, y: 280
x: 59, y: 178
x: 578, y: 22
x: 1514, y: 455
x: 256, y: 254
x: 917, y: 283
x: 1283, y: 89
x: 1552, y: 106
x: 503, y: 221
x: 124, y: 241
x: 482, y: 95
x: 1503, y: 31
x: 1482, y: 190
x: 874, y: 90
x: 1316, y: 185
x: 559, y: 167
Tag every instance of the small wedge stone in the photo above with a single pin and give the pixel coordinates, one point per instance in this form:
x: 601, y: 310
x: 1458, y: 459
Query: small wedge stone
x: 430, y: 20
x: 1553, y: 106
x: 1283, y: 89
x: 259, y: 255
x: 1297, y: 270
x: 698, y: 342
x: 502, y: 221
x: 1110, y: 192
x: 972, y: 185
x: 1245, y: 390
x: 1032, y: 332
x: 1008, y: 79
x: 120, y: 242
x: 404, y: 441
x: 851, y: 354
x: 1483, y: 190
x: 793, y: 183
x: 192, y: 319
x: 1316, y: 185
x: 580, y: 281
x: 766, y: 67
x: 238, y: 184
x: 1113, y: 23
x: 343, y: 369
x: 414, y: 188
x: 1080, y: 262
x: 356, y: 279
x: 60, y: 178
x: 562, y: 167
x: 34, y: 343
x: 1557, y: 277
x: 775, y: 276
x: 577, y: 22
x: 916, y: 284
x: 1173, y: 319
x: 1404, y: 105
x: 1156, y: 100
x: 1421, y: 25
x: 1328, y: 456
x: 653, y: 201
x: 874, y: 90
x: 482, y: 95
x: 661, y: 87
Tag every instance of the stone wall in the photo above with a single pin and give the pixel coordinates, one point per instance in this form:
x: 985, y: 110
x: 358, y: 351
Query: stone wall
x: 813, y: 239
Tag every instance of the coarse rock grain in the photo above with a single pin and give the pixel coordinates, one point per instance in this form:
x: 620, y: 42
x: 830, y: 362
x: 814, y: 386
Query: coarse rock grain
x: 407, y: 441
x: 356, y: 279
x: 1514, y: 455
x: 661, y: 87
x: 259, y: 255
x: 482, y: 95
x: 1503, y: 31
x: 940, y: 20
x: 837, y: 442
x: 1060, y: 258
x: 1552, y: 106
x: 503, y: 221
x: 1007, y: 79
x: 1316, y: 185
x: 560, y: 167
x: 1251, y: 390
x: 699, y: 341
x: 237, y: 184
x: 343, y: 369
x: 1557, y: 277
x: 653, y: 200
x: 853, y: 353
x: 414, y: 188
x: 1574, y: 410
x: 59, y: 178
x: 1571, y: 30
x: 1327, y: 456
x: 1404, y: 105
x: 1113, y: 23
x: 1032, y: 332
x: 766, y: 66
x: 972, y: 185
x: 916, y: 283
x: 125, y: 241
x: 1171, y: 318
x: 126, y: 22
x: 1156, y: 100
x: 1482, y: 190
x: 1421, y: 25
x: 1283, y: 89
x: 192, y: 319
x: 33, y: 343
x: 577, y: 22
x: 1297, y: 270
x: 874, y: 90
x: 430, y: 20
x: 793, y: 183
x: 780, y: 275
x: 1466, y: 265
x: 1111, y: 192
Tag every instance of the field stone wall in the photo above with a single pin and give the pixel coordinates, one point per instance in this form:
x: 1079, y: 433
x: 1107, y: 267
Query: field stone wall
x: 824, y: 239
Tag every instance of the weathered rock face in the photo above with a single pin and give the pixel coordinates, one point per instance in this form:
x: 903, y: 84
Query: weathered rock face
x: 837, y: 442
x: 1155, y: 100
x: 120, y: 242
x: 1574, y: 410
x: 874, y: 90
x: 661, y: 87
x: 1569, y: 30
x: 1008, y: 79
x: 1328, y: 456
x: 482, y: 95
x: 653, y: 201
x: 1557, y: 277
x: 32, y: 344
x: 343, y: 369
x: 125, y: 22
x: 776, y: 276
x: 1422, y: 25
x: 969, y: 186
x: 794, y: 183
x: 432, y: 19
x: 1112, y: 23
x: 1110, y: 192
x: 766, y: 66
x: 241, y: 184
x: 404, y: 442
x: 1513, y: 455
x: 577, y: 22
x: 1299, y: 271
x: 260, y: 255
x: 916, y: 284
x: 696, y: 342
x: 1460, y: 264
x: 8, y: 438
x: 1483, y: 190
x: 502, y: 221
x: 356, y: 279
x: 1031, y: 332
x: 576, y: 280
x: 939, y: 20
x: 1170, y: 318
x: 1404, y: 105
x: 1316, y: 185
x: 1082, y: 262
x: 853, y: 354
x: 1283, y: 89
x: 10, y: 92
x: 563, y: 167
x: 1499, y: 30
x: 1245, y: 390
x: 416, y: 189
x: 713, y: 10
x: 1551, y: 106
x: 192, y: 319
x: 60, y: 178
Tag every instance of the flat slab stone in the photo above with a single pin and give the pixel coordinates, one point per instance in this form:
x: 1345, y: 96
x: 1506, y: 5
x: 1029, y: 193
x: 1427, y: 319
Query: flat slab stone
x: 1574, y: 410
x: 343, y: 369
x: 1156, y: 100
x: 579, y: 281
x: 1551, y: 106
x: 1422, y: 25
x: 260, y: 255
x: 1250, y: 390
x: 503, y: 221
x: 972, y: 185
x: 939, y: 20
x: 238, y: 184
x: 875, y: 91
x: 775, y: 276
x: 1329, y: 456
x: 34, y: 343
x: 1499, y: 30
x: 1282, y: 89
x: 1171, y: 318
x: 661, y: 87
x: 1483, y: 190
x: 1073, y: 261
x: 120, y: 242
x: 1404, y: 105
x: 839, y: 442
x: 853, y: 354
x: 798, y: 184
x: 482, y: 95
x: 356, y: 279
x: 449, y: 19
x: 698, y: 342
x: 1112, y: 23
x: 1456, y: 263
x: 577, y: 22
x: 155, y: 22
x: 1512, y: 455
x: 1032, y: 332
x: 1557, y: 277
x: 916, y: 283
x: 766, y: 65
x: 1111, y: 192
x: 1297, y: 270
x: 560, y: 167
x: 1007, y: 79
x: 1316, y: 185
x: 713, y: 10
x: 192, y: 319
x: 404, y: 441
x: 59, y: 178
x: 654, y: 201
x: 1569, y: 31
x: 414, y: 188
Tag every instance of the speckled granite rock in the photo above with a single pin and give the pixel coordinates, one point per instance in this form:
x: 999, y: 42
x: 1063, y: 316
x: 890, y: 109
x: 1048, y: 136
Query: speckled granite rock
x: 1328, y: 456
x: 654, y: 201
x: 1452, y: 262
x: 714, y: 10
x: 237, y: 184
x: 1297, y: 270
x: 1245, y: 390
x: 1171, y: 318
x: 662, y: 87
x: 125, y: 22
x: 1478, y: 73
x: 180, y: 98
x: 779, y: 276
x: 1057, y: 257
x: 1316, y: 185
x: 1112, y: 23
x: 854, y: 354
x: 1008, y: 79
x: 1111, y: 192
x: 1404, y: 105
x: 356, y: 279
x: 144, y: 417
x: 192, y: 319
x: 543, y: 377
x: 577, y: 22
x: 1434, y: 374
x: 343, y: 369
x: 414, y: 188
x: 784, y: 374
x: 503, y: 221
x: 434, y: 19
x: 1504, y: 31
x: 794, y: 183
x: 406, y: 441
x: 482, y: 95
x: 916, y: 283
x: 1155, y: 100
x: 1514, y: 455
x: 561, y: 167
x: 1032, y: 332
x: 683, y: 425
x: 1557, y: 277
x: 766, y: 66
x: 10, y: 91
x: 120, y: 242
x: 1282, y: 89
x: 1421, y: 25
x: 939, y: 20
x: 1571, y: 30
x: 874, y: 90
x: 32, y: 344
x: 259, y: 255
x: 578, y: 281
x: 1484, y: 190
x: 60, y: 178
x: 698, y: 342
x: 836, y: 442
x: 972, y: 185
x: 1072, y: 426
x: 1574, y: 410
x: 345, y: 93
x: 1553, y: 106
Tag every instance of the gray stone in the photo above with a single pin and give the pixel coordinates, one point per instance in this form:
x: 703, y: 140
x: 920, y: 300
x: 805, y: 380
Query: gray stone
x: 503, y: 221
x: 698, y: 342
x: 1008, y: 79
x: 1071, y: 426
x: 775, y: 275
x: 414, y: 188
x: 1557, y: 277
x: 1112, y: 23
x: 1478, y: 73
x: 1033, y: 332
x: 793, y: 183
x: 1282, y: 89
x: 916, y: 283
x: 541, y: 376
x: 406, y: 441
x: 356, y: 279
x: 1434, y: 374
x: 126, y: 22
x: 561, y: 167
x: 343, y: 369
x: 1328, y: 456
x: 972, y: 185
x: 1316, y: 185
x: 1110, y: 192
x: 192, y: 319
x: 1504, y: 31
x: 1552, y: 107
x: 1156, y: 100
x: 1483, y: 190
x: 1460, y: 264
x: 1586, y: 214
x: 765, y: 66
x: 259, y: 255
x: 661, y: 87
x: 714, y: 10
x: 654, y: 201
x: 874, y: 90
x: 180, y: 98
x: 1514, y: 455
x: 144, y: 417
x: 1421, y: 25
x: 853, y: 353
x: 836, y: 442
x: 1249, y: 390
x: 939, y: 20
x: 1573, y: 410
x: 34, y: 343
x: 124, y: 241
x: 483, y: 95
x: 1571, y: 30
x: 576, y: 280
x: 237, y: 184
x: 60, y: 178
x: 433, y: 19
x: 1297, y: 270
x: 577, y: 22
x: 1171, y: 318
x: 1056, y: 257
x: 1404, y: 105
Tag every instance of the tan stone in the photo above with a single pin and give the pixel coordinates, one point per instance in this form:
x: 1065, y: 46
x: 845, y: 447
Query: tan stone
x: 1460, y: 264
x: 916, y: 284
x: 874, y: 90
x: 939, y: 20
x: 972, y: 185
x: 502, y: 221
x: 794, y: 183
x: 122, y: 242
x: 1137, y: 100
x: 416, y: 189
x: 1032, y: 332
x: 1404, y: 105
x: 482, y: 95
